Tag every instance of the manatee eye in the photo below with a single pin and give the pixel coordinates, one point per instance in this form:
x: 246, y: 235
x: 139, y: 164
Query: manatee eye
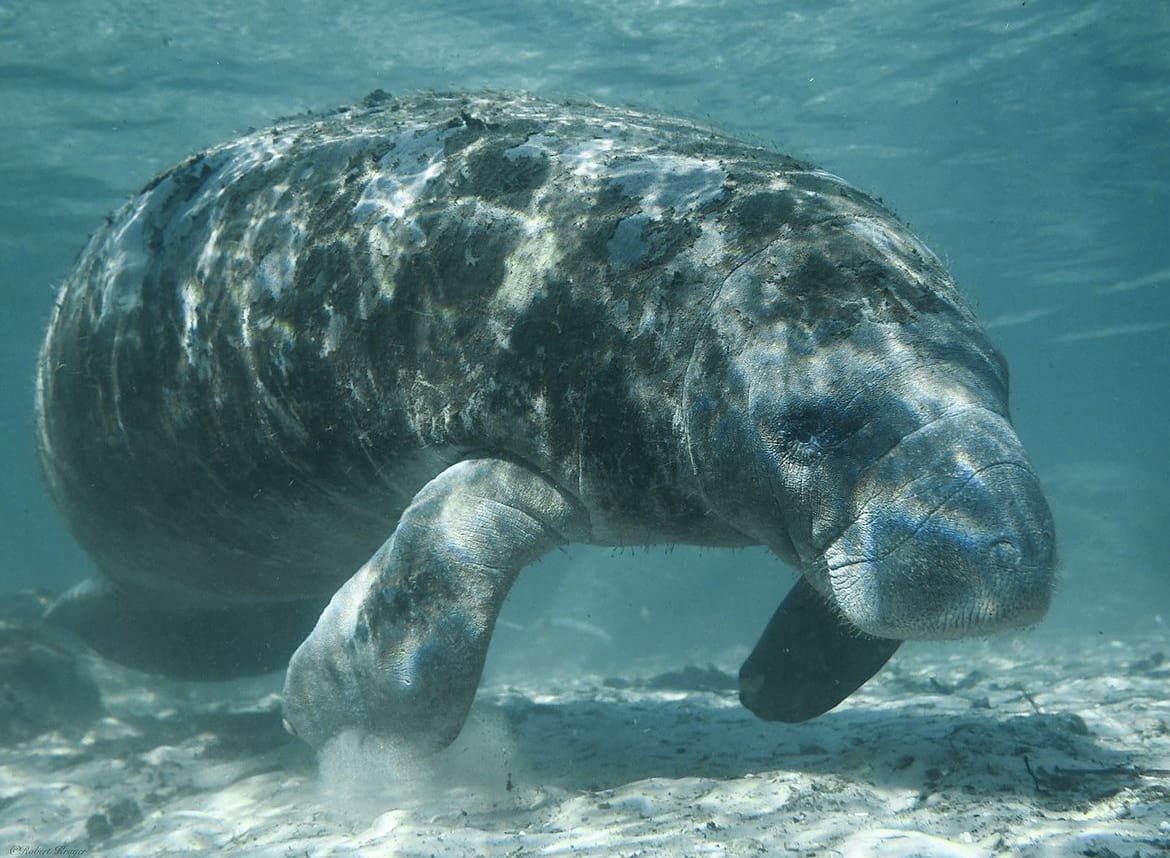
x: 1005, y: 553
x: 803, y: 427
x: 807, y: 434
x: 806, y: 430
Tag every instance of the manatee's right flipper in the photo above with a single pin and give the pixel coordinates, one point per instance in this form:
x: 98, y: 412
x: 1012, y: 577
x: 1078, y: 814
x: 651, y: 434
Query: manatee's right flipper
x: 201, y: 643
x: 808, y: 660
x: 399, y: 650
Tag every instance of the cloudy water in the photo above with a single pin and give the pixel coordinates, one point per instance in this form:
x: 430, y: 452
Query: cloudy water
x: 1027, y: 143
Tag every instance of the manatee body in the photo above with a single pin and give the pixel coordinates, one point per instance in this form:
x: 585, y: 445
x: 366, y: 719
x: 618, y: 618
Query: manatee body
x: 430, y: 339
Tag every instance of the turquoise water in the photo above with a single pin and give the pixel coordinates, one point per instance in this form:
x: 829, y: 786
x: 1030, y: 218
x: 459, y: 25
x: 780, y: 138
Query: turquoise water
x: 1028, y: 143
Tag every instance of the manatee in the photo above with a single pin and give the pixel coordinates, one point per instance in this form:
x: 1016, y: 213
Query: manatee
x: 45, y: 683
x: 330, y: 386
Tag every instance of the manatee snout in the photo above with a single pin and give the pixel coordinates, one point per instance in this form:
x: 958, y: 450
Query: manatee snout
x: 962, y: 546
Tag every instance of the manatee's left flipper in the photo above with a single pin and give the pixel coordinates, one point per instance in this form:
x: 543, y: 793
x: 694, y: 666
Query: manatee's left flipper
x: 808, y: 660
x: 178, y: 640
x: 399, y: 650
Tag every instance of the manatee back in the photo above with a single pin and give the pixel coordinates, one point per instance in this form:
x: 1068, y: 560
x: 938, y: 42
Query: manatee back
x: 215, y: 410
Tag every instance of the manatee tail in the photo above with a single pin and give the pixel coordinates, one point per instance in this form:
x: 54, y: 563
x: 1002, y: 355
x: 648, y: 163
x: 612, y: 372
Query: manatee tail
x: 204, y: 643
x: 808, y: 660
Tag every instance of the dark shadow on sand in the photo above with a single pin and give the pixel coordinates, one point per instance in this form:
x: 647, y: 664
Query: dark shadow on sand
x: 597, y: 744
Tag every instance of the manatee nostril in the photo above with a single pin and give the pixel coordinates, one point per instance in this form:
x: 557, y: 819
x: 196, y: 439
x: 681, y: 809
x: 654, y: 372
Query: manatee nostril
x: 1005, y: 553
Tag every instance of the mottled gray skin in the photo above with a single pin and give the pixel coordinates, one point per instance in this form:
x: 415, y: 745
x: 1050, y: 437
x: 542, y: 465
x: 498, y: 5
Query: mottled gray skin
x: 470, y: 328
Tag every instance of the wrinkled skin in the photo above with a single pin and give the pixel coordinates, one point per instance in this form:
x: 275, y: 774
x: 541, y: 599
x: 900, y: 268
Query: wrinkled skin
x: 471, y: 328
x: 907, y: 500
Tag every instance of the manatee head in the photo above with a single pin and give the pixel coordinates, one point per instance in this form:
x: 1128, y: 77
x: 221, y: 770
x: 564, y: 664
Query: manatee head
x: 945, y: 534
x: 853, y: 416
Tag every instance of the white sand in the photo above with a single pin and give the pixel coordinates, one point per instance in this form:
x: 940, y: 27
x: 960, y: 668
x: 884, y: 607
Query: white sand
x: 930, y: 759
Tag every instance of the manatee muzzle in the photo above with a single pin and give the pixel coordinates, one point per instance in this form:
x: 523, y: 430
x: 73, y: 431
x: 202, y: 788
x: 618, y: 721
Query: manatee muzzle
x: 951, y: 537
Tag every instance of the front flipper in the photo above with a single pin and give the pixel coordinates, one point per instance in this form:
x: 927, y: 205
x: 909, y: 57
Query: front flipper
x: 400, y: 648
x: 178, y: 641
x: 808, y: 660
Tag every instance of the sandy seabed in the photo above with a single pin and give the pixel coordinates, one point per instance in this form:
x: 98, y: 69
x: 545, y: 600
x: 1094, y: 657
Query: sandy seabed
x: 987, y: 748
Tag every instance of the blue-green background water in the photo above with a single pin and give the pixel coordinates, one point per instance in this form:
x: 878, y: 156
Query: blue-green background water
x: 1028, y: 143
